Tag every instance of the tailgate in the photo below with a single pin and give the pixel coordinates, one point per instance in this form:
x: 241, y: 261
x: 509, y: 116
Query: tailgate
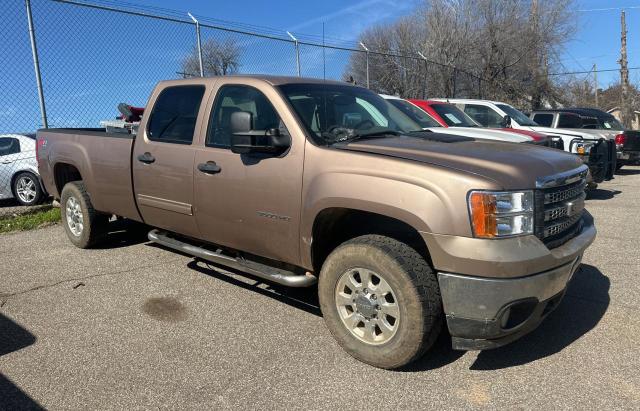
x: 602, y: 160
x: 632, y: 142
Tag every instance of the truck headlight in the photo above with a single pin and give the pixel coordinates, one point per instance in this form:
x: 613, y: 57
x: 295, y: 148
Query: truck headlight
x: 496, y: 214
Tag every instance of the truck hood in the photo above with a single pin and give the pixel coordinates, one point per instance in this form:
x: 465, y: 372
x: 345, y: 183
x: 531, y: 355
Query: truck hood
x: 576, y: 133
x: 510, y: 165
x: 483, y: 134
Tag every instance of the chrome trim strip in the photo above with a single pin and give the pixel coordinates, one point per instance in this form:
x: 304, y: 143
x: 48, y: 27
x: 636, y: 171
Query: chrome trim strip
x: 561, y: 179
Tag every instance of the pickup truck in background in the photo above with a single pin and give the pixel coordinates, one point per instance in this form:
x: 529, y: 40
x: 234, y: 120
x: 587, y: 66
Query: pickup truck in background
x: 427, y: 122
x: 598, y: 153
x: 598, y: 123
x: 300, y: 181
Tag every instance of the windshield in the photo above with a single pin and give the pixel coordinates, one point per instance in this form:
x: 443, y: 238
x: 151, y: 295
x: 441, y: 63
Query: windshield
x: 518, y: 116
x: 453, y: 116
x: 333, y: 113
x: 414, y: 113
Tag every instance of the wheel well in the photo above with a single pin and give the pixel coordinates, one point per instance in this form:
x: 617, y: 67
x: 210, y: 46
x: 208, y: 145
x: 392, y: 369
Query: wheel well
x: 334, y: 226
x: 64, y: 173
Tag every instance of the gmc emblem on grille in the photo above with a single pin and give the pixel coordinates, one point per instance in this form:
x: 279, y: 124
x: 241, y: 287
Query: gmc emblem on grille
x: 574, y: 207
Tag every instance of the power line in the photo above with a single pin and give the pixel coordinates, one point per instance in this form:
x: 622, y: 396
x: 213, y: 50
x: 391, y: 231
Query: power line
x: 608, y: 9
x: 590, y: 71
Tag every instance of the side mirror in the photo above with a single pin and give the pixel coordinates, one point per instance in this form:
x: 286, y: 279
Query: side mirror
x: 245, y: 140
x: 506, y: 122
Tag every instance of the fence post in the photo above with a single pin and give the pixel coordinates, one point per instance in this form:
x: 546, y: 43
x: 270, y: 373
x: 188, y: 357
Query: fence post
x: 426, y: 74
x: 36, y: 65
x: 198, y: 43
x: 297, y: 46
x: 455, y: 81
x: 366, y: 50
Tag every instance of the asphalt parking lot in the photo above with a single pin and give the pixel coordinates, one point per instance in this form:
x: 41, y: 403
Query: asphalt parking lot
x: 135, y: 326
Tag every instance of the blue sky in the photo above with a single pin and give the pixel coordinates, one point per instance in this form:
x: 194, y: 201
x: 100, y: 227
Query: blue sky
x: 91, y: 59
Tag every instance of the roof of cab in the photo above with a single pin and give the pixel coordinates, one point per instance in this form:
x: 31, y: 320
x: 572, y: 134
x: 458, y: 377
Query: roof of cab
x: 273, y: 80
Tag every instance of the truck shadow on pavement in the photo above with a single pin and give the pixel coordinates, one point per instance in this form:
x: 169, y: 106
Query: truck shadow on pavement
x: 123, y: 233
x: 628, y: 171
x: 14, y: 337
x: 584, y: 304
x: 600, y: 194
x: 305, y: 299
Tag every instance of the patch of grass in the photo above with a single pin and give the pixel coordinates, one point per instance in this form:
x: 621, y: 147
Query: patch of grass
x: 41, y: 217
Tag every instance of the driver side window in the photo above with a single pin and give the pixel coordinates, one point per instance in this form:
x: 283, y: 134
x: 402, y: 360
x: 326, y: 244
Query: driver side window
x: 237, y: 98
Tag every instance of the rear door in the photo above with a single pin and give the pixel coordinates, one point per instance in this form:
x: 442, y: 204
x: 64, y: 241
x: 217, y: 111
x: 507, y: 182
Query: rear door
x: 483, y: 115
x: 163, y: 158
x: 249, y: 202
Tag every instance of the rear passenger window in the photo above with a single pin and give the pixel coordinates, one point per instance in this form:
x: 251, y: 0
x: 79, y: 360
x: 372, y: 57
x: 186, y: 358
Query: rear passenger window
x: 9, y: 145
x: 569, y: 121
x: 232, y: 99
x: 484, y: 115
x: 173, y: 119
x: 545, y: 120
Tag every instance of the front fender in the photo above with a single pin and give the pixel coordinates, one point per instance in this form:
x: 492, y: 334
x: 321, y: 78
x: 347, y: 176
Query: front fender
x: 420, y: 204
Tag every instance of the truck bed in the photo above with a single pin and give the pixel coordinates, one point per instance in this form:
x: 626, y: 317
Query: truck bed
x: 102, y: 159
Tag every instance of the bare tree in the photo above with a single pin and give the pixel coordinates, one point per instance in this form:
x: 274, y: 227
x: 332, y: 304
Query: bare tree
x: 501, y: 49
x: 218, y: 58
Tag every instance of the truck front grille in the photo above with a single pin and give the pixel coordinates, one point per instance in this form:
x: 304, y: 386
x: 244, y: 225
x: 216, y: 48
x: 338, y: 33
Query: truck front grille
x: 559, y: 211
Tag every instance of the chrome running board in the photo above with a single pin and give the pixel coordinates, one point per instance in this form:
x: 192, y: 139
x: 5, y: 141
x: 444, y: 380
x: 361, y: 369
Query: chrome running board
x: 265, y: 272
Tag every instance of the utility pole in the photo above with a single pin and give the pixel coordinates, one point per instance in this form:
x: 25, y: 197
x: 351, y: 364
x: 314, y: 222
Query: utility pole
x: 595, y: 81
x: 624, y: 73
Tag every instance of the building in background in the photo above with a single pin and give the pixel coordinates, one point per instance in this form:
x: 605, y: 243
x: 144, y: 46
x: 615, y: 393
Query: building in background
x: 617, y: 113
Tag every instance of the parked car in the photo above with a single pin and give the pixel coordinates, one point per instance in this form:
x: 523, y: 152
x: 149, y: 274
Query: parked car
x: 427, y: 122
x: 297, y: 181
x: 448, y: 115
x: 598, y: 153
x: 19, y: 177
x: 599, y: 123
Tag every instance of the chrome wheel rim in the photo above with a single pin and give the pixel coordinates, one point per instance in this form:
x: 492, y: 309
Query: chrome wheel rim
x: 75, y: 221
x: 367, y: 306
x: 26, y: 189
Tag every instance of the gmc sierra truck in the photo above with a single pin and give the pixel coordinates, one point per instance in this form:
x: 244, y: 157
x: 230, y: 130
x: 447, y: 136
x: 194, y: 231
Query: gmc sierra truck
x: 600, y: 124
x: 300, y: 181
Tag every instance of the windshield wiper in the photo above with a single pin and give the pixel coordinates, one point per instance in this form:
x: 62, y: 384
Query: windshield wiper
x: 373, y: 134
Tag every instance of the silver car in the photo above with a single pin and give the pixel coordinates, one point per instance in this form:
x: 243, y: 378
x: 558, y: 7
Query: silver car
x: 19, y: 176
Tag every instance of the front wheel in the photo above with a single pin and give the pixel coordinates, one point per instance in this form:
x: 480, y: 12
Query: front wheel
x: 83, y: 225
x: 381, y: 301
x: 26, y: 189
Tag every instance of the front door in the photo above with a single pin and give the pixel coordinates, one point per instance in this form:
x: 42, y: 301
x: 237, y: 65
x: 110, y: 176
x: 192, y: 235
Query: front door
x: 163, y: 160
x: 9, y: 153
x: 248, y: 202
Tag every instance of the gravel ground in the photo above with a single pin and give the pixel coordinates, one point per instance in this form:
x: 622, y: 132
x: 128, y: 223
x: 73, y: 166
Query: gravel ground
x: 135, y: 326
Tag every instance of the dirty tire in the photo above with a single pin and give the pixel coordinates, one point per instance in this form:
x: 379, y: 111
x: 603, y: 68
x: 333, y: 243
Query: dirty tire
x: 94, y: 223
x: 412, y: 280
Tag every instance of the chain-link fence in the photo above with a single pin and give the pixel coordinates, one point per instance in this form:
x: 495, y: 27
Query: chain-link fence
x: 95, y: 55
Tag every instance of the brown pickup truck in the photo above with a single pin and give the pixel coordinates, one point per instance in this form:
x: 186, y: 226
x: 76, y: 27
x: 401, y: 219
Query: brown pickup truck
x: 299, y: 181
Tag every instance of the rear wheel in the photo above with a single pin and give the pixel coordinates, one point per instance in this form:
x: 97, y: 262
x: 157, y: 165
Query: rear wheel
x: 26, y: 189
x: 83, y: 225
x: 380, y: 300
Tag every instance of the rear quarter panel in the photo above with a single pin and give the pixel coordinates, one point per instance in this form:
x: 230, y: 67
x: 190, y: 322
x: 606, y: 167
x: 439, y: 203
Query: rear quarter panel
x: 104, y: 162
